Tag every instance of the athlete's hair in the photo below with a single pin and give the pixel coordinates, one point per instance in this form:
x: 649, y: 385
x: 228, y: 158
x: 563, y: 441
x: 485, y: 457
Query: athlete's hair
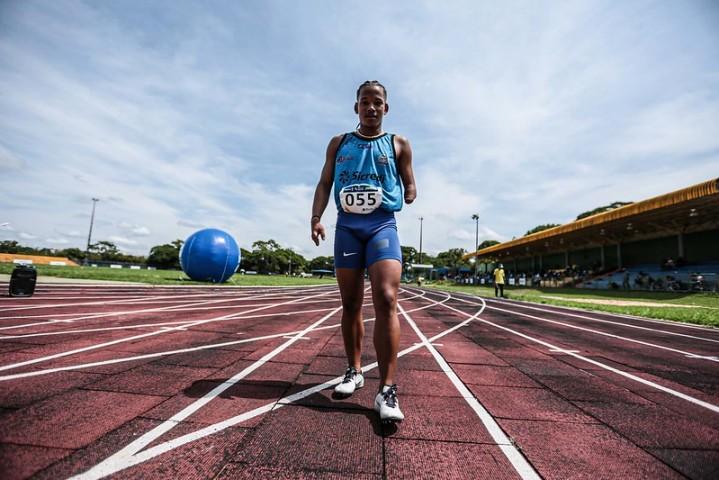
x: 372, y: 83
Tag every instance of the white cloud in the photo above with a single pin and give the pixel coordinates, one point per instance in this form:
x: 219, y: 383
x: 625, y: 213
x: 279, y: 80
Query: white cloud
x: 519, y: 113
x: 122, y: 241
x: 189, y: 224
x: 137, y: 230
x: 57, y: 240
x: 8, y: 161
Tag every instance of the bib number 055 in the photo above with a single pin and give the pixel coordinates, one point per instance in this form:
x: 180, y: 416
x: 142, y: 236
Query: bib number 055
x: 360, y: 199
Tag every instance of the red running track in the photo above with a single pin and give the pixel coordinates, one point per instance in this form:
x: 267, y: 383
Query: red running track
x: 162, y: 382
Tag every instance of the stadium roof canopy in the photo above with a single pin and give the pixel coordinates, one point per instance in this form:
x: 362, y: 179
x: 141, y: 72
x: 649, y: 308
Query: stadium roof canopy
x: 690, y: 209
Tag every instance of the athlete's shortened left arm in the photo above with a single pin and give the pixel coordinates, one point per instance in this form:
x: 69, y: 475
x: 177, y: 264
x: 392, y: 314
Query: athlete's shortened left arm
x: 404, y: 166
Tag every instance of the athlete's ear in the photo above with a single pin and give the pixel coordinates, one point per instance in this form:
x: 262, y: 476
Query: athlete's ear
x: 356, y: 108
x: 386, y: 108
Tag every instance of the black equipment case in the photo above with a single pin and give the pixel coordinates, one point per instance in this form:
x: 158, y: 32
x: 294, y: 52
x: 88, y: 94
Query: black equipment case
x: 22, y: 281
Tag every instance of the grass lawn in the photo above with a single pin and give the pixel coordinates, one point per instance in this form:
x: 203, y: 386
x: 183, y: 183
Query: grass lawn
x: 701, y: 308
x: 164, y: 277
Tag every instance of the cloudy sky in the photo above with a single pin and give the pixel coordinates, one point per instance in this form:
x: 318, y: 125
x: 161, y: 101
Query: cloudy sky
x: 183, y: 115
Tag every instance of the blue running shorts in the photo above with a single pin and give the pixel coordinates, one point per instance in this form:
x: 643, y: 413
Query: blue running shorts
x: 361, y: 240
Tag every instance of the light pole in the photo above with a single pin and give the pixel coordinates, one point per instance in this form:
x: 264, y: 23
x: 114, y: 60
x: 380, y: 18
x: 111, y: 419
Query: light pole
x: 89, y: 235
x: 475, y: 217
x: 421, y: 219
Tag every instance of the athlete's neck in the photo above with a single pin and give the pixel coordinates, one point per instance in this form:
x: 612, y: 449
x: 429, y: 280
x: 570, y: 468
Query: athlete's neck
x: 370, y: 133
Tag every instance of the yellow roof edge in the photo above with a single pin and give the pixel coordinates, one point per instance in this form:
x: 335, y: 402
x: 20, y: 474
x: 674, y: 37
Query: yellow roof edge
x: 710, y: 187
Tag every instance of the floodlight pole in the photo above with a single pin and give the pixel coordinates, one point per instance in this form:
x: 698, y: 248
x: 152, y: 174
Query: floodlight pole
x: 421, y: 219
x: 475, y: 217
x: 89, y: 235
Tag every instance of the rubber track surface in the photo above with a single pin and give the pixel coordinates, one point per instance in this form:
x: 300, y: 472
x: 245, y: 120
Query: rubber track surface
x: 206, y: 382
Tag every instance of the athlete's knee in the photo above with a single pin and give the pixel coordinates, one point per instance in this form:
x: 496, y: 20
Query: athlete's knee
x: 352, y: 305
x: 386, y: 297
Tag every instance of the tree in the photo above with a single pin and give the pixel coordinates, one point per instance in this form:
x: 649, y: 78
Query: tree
x: 166, y: 256
x: 539, y: 228
x: 605, y: 208
x: 321, y: 263
x: 287, y: 256
x: 409, y: 254
x: 75, y: 254
x: 245, y: 257
x: 452, y: 258
x: 488, y: 243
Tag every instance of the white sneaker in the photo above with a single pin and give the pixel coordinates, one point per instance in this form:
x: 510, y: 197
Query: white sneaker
x: 387, y: 405
x: 352, y: 381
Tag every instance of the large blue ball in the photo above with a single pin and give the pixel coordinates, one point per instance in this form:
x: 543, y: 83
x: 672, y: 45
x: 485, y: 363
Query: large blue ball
x: 210, y: 255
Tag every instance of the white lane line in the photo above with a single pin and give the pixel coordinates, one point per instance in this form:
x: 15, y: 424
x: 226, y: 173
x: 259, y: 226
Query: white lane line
x: 115, y: 463
x: 151, y: 325
x: 86, y: 304
x: 184, y: 308
x: 591, y: 330
x: 688, y: 398
x: 520, y: 464
x: 122, y: 457
x: 130, y: 301
x: 136, y: 337
x: 165, y: 309
x: 36, y: 373
x: 172, y: 308
x: 665, y: 323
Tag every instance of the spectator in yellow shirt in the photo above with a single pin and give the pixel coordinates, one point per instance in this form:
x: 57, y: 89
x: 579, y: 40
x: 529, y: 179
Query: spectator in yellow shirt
x: 499, y: 281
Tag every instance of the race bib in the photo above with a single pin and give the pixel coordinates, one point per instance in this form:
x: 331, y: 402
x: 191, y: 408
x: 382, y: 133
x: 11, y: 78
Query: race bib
x: 361, y: 199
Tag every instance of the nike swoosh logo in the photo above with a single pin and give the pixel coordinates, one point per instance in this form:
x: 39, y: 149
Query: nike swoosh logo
x: 349, y: 254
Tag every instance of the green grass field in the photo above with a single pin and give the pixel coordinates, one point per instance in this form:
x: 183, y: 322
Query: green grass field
x: 163, y: 277
x: 701, y: 308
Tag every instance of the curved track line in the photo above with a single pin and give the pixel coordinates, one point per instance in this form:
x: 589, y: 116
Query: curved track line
x: 688, y: 398
x: 123, y: 301
x: 36, y: 373
x: 599, y: 332
x: 518, y: 461
x: 121, y: 460
x: 144, y: 335
x: 601, y: 320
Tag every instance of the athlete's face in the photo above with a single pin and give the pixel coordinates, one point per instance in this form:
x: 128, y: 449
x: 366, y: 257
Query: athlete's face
x: 371, y: 106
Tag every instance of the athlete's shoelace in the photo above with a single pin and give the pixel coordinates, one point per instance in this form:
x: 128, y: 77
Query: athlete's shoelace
x: 349, y: 374
x: 390, y: 396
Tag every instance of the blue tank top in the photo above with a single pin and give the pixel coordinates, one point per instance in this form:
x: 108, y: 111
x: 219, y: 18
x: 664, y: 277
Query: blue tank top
x: 361, y: 161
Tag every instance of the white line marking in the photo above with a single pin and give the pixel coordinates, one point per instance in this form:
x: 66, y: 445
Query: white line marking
x: 127, y: 453
x: 521, y: 304
x: 35, y: 373
x: 688, y: 398
x: 182, y: 308
x: 172, y: 298
x: 520, y: 464
x: 114, y: 463
x: 703, y: 357
x: 590, y: 330
x: 136, y: 337
x: 153, y: 325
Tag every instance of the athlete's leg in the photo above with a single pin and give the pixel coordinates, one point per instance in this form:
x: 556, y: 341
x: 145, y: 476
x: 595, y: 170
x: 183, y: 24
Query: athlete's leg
x: 351, y: 284
x: 385, y: 277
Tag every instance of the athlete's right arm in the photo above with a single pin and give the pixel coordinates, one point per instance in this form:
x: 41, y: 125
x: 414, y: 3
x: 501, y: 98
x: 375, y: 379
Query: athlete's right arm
x: 322, y: 192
